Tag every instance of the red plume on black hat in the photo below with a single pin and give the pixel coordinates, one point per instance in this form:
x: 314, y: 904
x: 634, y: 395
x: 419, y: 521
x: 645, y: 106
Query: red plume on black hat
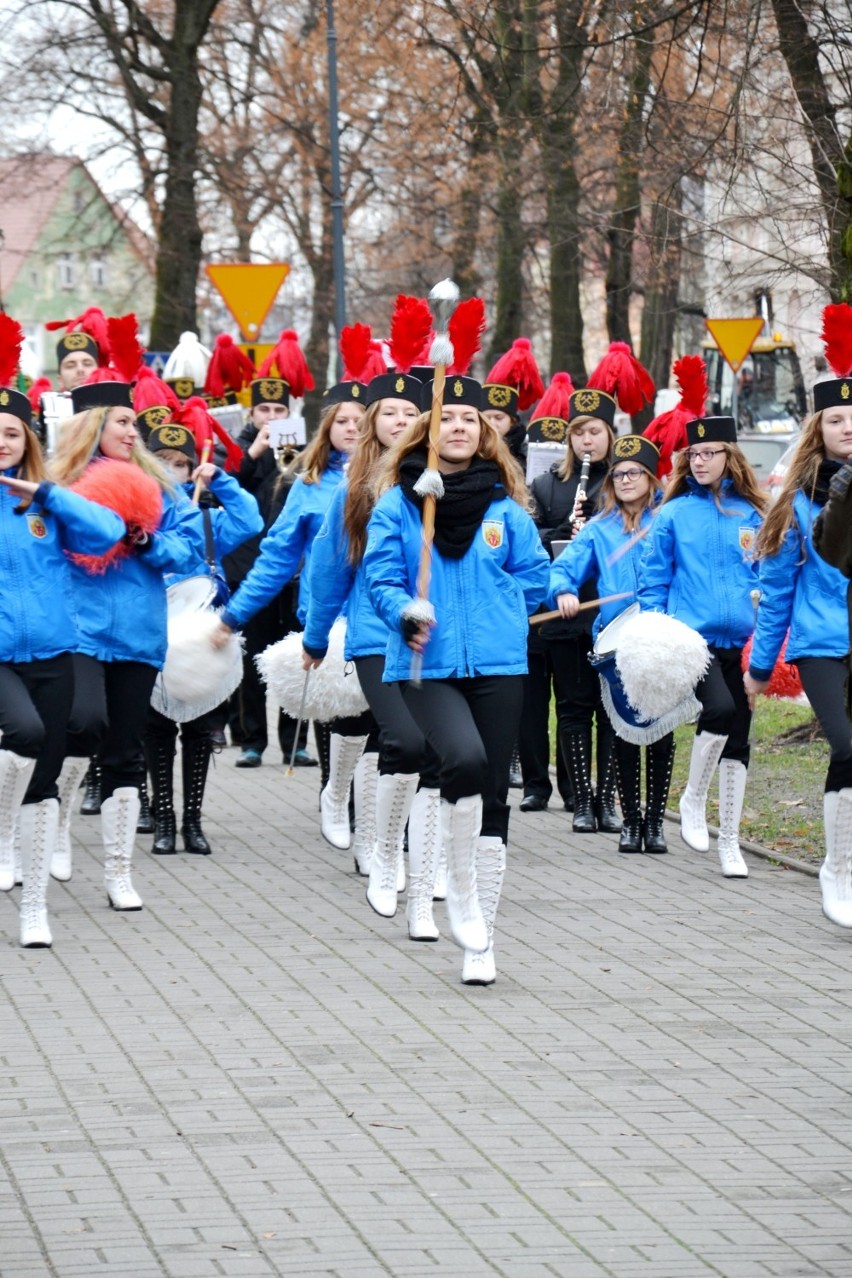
x: 410, y: 330
x: 197, y: 418
x: 518, y: 368
x: 229, y: 368
x: 362, y: 357
x: 92, y: 322
x: 668, y: 431
x: 466, y: 327
x: 11, y: 342
x: 837, y: 337
x: 620, y: 375
x: 288, y: 359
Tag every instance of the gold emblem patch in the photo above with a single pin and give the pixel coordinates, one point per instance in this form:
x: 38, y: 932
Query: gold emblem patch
x: 37, y: 526
x: 75, y: 341
x: 4, y: 397
x: 587, y: 401
x: 844, y: 391
x: 153, y: 417
x: 492, y: 531
x: 746, y: 538
x: 271, y: 390
x: 356, y: 391
x: 399, y: 385
x: 174, y: 436
x: 458, y: 389
x: 184, y: 386
x: 552, y: 428
x: 627, y: 446
x: 499, y: 396
x: 701, y: 430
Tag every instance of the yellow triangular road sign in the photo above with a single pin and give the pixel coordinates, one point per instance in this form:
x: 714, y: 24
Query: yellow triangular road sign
x: 248, y: 290
x: 735, y: 337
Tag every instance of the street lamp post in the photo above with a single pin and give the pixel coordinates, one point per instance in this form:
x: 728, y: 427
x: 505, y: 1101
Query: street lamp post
x: 336, y: 196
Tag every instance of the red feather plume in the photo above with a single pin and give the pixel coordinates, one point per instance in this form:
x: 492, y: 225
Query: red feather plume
x: 621, y: 375
x: 518, y: 368
x: 11, y: 341
x: 150, y: 391
x: 362, y: 357
x: 837, y: 337
x: 410, y: 331
x: 125, y: 488
x: 39, y: 387
x: 197, y: 418
x: 92, y: 321
x: 668, y: 430
x: 784, y: 682
x: 288, y: 359
x: 466, y: 327
x: 124, y: 347
x: 229, y: 368
x: 556, y: 400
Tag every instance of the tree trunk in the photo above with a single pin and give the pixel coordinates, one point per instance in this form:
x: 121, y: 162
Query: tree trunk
x: 510, y: 256
x: 563, y: 223
x: 659, y: 314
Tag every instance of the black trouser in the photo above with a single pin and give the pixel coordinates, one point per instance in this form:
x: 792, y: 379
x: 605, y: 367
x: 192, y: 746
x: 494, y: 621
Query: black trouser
x: 824, y: 682
x: 578, y: 693
x: 267, y: 626
x: 471, y: 725
x: 534, y: 731
x: 402, y: 746
x: 159, y: 728
x: 109, y: 716
x: 35, y: 706
x: 724, y: 705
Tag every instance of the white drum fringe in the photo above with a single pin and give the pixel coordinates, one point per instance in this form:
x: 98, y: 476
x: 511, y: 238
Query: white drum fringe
x: 196, y: 677
x: 333, y: 688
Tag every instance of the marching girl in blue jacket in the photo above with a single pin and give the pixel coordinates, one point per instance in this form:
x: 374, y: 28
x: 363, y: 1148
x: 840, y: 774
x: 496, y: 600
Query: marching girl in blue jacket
x: 220, y: 530
x: 607, y: 550
x: 386, y: 779
x: 801, y: 592
x: 698, y: 565
x: 120, y: 616
x: 489, y: 572
x: 39, y: 521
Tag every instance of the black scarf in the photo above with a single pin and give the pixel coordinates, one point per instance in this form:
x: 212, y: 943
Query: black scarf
x: 467, y: 496
x: 825, y: 474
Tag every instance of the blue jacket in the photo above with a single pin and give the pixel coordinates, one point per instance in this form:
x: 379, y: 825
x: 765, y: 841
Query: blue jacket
x: 336, y: 587
x: 482, y: 601
x: 36, y: 622
x: 287, y: 543
x: 232, y: 523
x: 697, y: 563
x: 599, y: 551
x: 799, y: 591
x: 121, y: 613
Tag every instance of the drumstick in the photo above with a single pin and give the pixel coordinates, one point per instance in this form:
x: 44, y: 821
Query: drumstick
x: 299, y: 721
x: 590, y: 603
x: 206, y: 450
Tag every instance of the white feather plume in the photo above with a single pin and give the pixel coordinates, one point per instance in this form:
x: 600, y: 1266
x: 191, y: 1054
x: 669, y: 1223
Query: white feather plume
x: 333, y: 688
x: 441, y: 351
x: 430, y: 484
x: 196, y: 677
x: 419, y: 610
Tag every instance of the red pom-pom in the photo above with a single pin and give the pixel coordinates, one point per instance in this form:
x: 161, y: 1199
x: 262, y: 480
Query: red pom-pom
x: 290, y: 363
x: 94, y: 323
x: 40, y: 387
x: 362, y: 357
x: 784, y: 683
x: 837, y: 337
x: 668, y: 430
x: 124, y: 348
x: 410, y: 332
x: 621, y: 375
x: 150, y: 391
x: 126, y: 489
x: 518, y: 368
x: 11, y: 341
x: 556, y: 400
x: 465, y: 328
x: 229, y: 368
x: 197, y: 418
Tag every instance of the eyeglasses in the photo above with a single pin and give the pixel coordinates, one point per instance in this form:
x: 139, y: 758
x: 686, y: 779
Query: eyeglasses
x: 703, y: 454
x: 629, y: 475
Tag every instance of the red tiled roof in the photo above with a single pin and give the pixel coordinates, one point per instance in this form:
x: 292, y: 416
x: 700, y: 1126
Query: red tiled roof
x: 31, y: 186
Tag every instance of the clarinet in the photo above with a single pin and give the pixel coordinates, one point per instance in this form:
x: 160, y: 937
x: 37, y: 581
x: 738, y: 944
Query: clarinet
x: 581, y: 487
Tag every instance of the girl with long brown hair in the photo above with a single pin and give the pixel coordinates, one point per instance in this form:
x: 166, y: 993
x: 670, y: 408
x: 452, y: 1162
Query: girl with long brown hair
x: 489, y: 572
x: 698, y: 565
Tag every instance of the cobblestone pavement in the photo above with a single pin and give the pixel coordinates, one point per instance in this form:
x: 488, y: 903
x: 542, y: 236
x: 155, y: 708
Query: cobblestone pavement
x: 258, y: 1076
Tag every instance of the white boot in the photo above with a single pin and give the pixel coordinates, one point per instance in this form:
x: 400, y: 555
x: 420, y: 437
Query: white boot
x: 394, y: 795
x: 364, y: 785
x: 835, y: 874
x: 344, y: 753
x: 119, y: 815
x: 38, y: 822
x: 460, y: 825
x: 73, y: 771
x: 15, y: 773
x: 19, y: 869
x: 439, y: 891
x: 424, y: 849
x: 479, y: 969
x: 706, y: 751
x: 732, y: 784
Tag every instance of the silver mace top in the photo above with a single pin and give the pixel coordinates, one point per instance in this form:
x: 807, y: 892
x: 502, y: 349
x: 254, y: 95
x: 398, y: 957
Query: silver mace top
x: 443, y: 300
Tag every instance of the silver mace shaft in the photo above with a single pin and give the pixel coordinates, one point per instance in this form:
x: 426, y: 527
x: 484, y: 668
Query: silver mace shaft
x: 299, y: 723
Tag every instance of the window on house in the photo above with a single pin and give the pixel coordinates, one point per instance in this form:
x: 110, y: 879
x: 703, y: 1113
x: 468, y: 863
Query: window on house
x: 65, y: 270
x: 98, y: 271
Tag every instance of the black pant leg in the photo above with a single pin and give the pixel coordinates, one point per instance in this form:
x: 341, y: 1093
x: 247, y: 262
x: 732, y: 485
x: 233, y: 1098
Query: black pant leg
x: 35, y: 704
x: 402, y: 745
x: 129, y: 685
x: 88, y: 721
x: 724, y: 705
x: 824, y: 682
x: 533, y: 730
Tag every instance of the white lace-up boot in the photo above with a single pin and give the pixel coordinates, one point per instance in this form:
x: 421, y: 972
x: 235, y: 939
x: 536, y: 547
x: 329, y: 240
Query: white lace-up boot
x: 38, y: 822
x: 835, y: 874
x: 480, y: 969
x: 73, y: 771
x: 460, y: 825
x: 394, y: 796
x: 424, y: 848
x: 364, y: 785
x: 706, y: 752
x: 732, y: 784
x: 439, y: 891
x: 15, y: 773
x: 344, y: 753
x: 119, y: 815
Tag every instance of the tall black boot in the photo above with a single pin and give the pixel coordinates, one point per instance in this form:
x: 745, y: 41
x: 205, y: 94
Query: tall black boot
x: 145, y: 820
x: 91, y: 804
x: 196, y: 760
x: 608, y: 818
x: 628, y: 770
x: 322, y: 732
x: 576, y: 750
x: 161, y: 760
x: 659, y: 761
